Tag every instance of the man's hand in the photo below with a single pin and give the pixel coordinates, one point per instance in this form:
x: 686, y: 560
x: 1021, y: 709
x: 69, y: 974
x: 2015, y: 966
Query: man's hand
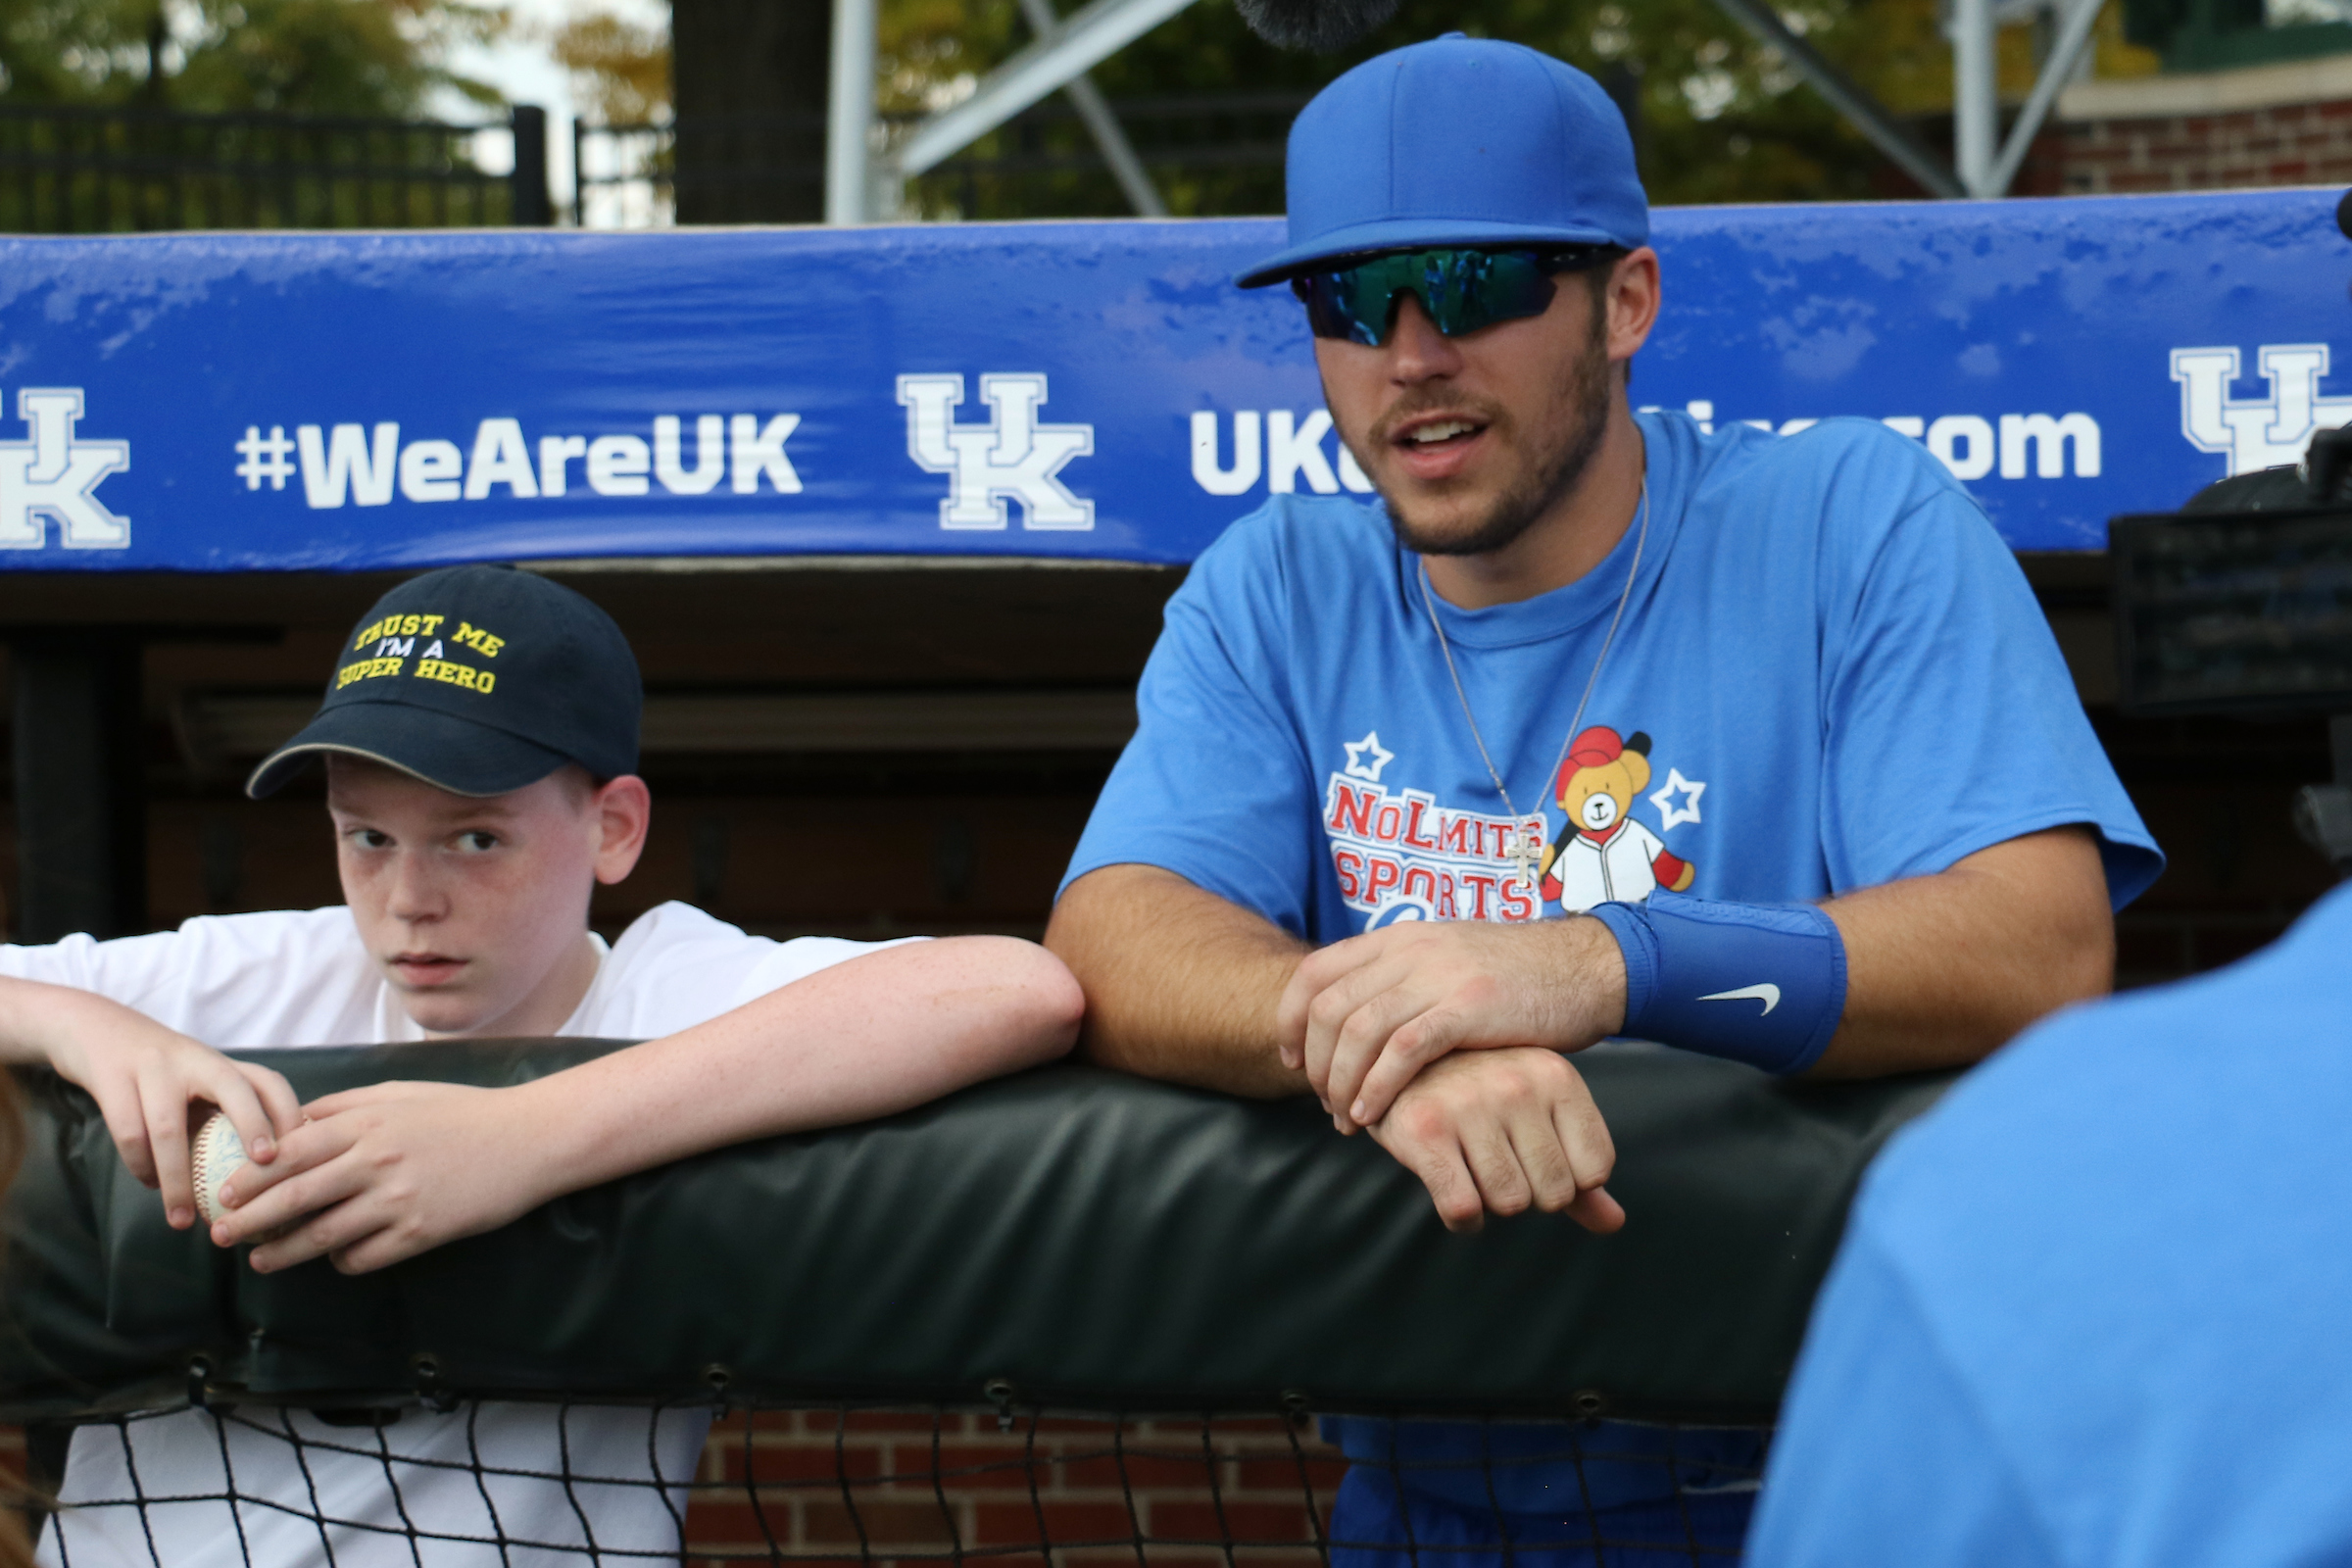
x: 385, y: 1172
x: 1500, y: 1131
x: 145, y: 1077
x: 1364, y: 1015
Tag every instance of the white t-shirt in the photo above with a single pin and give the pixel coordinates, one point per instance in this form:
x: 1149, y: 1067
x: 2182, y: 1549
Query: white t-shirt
x: 302, y: 978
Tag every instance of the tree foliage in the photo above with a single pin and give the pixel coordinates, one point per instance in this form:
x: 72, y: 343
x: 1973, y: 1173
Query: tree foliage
x: 621, y: 69
x: 359, y: 58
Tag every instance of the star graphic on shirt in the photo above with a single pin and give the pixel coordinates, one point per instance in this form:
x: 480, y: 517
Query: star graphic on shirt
x: 1663, y: 796
x: 1370, y: 745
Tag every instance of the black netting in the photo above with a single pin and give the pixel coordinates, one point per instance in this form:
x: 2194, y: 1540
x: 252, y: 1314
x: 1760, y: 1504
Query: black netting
x: 1061, y: 1242
x: 544, y: 1485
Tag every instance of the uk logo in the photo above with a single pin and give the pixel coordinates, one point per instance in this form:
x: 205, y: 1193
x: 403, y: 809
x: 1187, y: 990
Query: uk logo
x: 1011, y: 458
x: 53, y: 478
x: 2256, y: 433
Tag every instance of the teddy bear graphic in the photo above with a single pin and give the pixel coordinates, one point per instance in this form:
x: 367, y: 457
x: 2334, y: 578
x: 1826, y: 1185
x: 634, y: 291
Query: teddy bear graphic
x: 1603, y: 855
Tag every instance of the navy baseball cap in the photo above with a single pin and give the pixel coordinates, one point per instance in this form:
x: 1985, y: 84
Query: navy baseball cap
x: 1457, y: 142
x: 478, y: 680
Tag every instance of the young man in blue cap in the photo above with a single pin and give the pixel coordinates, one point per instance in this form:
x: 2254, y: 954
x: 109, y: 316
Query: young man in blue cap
x: 2090, y: 1310
x: 480, y: 741
x: 1780, y: 716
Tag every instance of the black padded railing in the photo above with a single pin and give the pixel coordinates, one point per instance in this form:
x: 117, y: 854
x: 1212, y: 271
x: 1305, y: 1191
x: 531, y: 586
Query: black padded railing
x: 1068, y: 1237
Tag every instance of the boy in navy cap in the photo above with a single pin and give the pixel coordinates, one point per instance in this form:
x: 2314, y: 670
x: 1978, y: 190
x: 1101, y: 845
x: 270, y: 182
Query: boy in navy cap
x: 1847, y: 817
x: 481, y: 742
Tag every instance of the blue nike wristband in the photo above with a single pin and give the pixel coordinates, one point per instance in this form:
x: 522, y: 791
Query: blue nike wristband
x: 1759, y: 983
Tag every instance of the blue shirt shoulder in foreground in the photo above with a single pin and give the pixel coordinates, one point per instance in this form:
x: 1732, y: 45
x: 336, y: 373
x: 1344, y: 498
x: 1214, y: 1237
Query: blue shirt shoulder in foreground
x: 2091, y: 1310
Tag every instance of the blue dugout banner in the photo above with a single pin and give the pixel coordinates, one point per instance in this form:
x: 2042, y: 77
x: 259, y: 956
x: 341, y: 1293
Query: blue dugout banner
x: 234, y: 401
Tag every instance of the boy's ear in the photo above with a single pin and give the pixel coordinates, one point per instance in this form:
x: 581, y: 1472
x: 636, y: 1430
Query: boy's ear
x: 625, y: 812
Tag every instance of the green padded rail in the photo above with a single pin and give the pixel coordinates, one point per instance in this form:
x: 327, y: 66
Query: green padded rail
x: 1068, y: 1237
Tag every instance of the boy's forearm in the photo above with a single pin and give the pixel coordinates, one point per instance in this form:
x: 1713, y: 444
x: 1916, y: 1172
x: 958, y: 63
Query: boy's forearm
x: 39, y: 1020
x: 28, y: 1011
x: 878, y: 1034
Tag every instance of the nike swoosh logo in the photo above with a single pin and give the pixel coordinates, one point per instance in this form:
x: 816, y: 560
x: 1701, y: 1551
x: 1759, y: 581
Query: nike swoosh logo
x: 1767, y: 993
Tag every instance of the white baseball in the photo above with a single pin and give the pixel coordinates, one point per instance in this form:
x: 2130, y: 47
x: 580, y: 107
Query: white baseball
x: 219, y: 1154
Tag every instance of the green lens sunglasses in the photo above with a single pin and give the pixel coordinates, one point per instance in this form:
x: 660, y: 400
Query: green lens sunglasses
x: 1462, y: 289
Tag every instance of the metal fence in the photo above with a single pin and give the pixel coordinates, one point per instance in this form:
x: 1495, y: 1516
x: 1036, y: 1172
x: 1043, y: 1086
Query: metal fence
x: 85, y: 170
x: 1209, y: 153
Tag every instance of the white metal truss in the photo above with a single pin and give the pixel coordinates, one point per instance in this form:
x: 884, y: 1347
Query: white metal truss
x: 1987, y: 165
x: 850, y: 114
x: 1104, y: 126
x: 1976, y: 94
x: 1066, y: 48
x: 1087, y: 35
x: 2074, y: 35
x: 1848, y: 97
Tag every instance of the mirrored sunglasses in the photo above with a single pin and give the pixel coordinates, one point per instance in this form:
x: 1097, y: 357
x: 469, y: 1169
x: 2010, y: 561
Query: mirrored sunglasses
x: 1460, y: 290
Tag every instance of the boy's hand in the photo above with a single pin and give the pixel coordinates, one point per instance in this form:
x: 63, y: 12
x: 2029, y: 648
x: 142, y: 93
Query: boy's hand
x: 145, y: 1077
x: 385, y: 1172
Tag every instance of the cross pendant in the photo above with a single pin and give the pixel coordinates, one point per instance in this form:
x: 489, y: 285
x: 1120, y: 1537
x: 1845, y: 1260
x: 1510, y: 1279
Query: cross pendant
x: 1527, y: 851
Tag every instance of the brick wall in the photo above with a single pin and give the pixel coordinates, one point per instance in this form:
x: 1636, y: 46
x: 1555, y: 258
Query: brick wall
x: 2287, y: 124
x: 1092, y: 1492
x: 2293, y: 144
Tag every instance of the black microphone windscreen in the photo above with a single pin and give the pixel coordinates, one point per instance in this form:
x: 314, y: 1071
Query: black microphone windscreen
x: 1320, y: 25
x: 2343, y: 214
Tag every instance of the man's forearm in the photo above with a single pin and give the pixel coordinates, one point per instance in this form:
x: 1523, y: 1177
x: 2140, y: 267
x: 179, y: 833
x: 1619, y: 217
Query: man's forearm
x: 1180, y: 985
x: 1943, y: 969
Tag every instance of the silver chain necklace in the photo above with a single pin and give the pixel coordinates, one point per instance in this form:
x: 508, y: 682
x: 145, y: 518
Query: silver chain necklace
x: 1526, y: 847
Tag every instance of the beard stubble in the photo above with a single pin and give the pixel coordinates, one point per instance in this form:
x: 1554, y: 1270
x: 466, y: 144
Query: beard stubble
x: 1586, y: 391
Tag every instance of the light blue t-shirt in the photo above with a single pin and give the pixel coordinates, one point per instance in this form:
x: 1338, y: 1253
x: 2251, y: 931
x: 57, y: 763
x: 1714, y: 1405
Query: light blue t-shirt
x: 2092, y: 1309
x: 1831, y: 673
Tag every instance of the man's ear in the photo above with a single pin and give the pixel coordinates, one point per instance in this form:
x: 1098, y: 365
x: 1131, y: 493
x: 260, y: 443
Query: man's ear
x: 1631, y: 303
x: 625, y: 811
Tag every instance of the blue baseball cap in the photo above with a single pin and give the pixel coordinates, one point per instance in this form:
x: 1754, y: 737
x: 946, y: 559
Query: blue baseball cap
x: 478, y: 680
x: 1457, y: 142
